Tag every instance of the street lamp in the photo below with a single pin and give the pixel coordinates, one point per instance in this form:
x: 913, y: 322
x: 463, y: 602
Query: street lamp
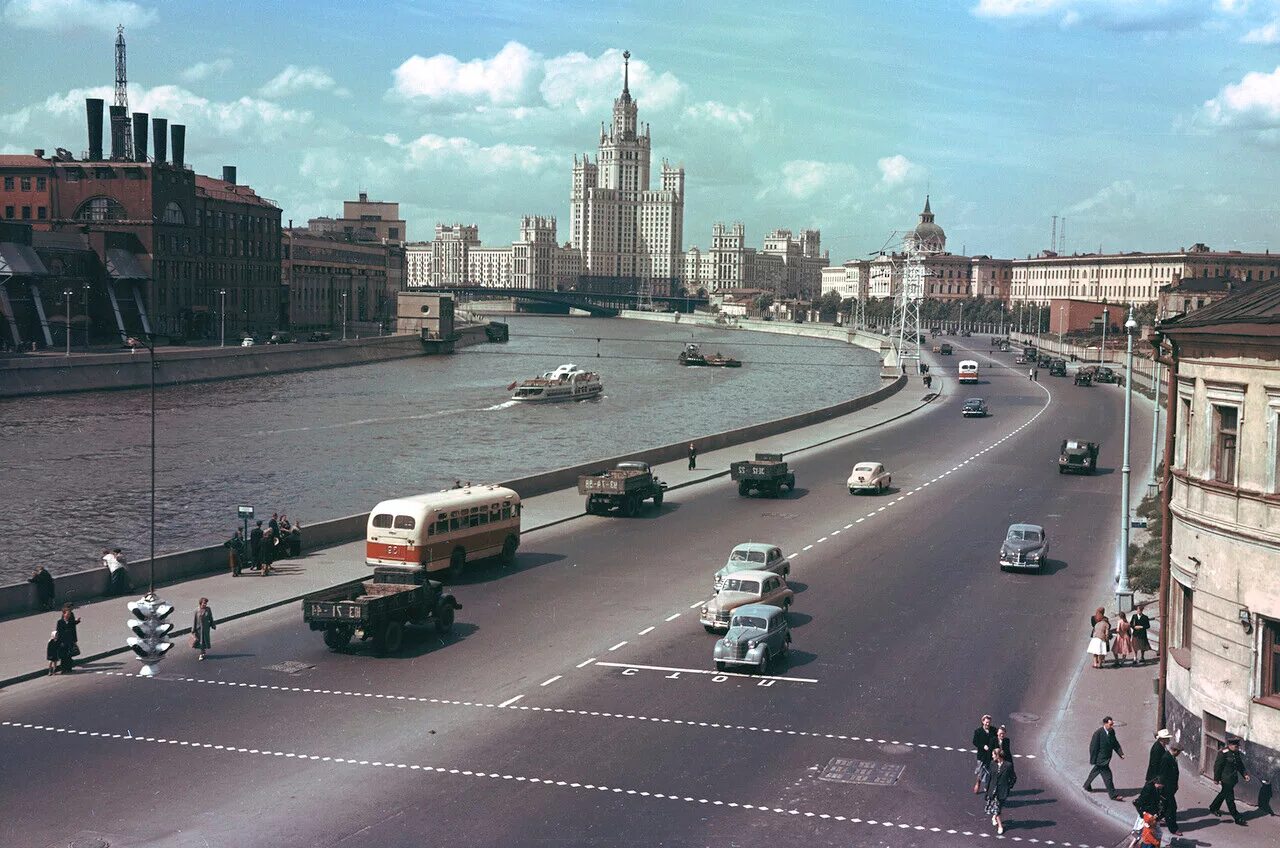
x: 1123, y: 591
x: 1152, y: 485
x: 67, y: 294
x: 344, y: 316
x: 1102, y: 352
x: 222, y: 317
x: 85, y: 289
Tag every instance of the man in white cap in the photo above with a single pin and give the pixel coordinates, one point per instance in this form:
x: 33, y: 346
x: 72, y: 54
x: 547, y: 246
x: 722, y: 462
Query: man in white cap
x: 1158, y: 747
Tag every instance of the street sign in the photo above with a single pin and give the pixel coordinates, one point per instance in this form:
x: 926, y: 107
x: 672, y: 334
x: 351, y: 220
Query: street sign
x: 1138, y: 523
x: 244, y: 511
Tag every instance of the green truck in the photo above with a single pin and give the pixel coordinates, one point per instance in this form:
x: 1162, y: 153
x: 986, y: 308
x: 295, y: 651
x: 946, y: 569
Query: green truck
x: 624, y: 488
x: 379, y: 609
x: 767, y: 474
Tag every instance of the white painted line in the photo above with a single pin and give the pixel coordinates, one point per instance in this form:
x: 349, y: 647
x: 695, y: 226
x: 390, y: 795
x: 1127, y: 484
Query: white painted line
x: 871, y: 515
x: 619, y: 645
x: 806, y: 547
x: 860, y: 520
x: 550, y: 680
x: 697, y: 604
x: 646, y: 630
x: 820, y: 541
x: 796, y: 554
x: 835, y: 532
x: 586, y: 662
x: 847, y: 526
x: 510, y: 701
x: 672, y: 617
x: 708, y: 671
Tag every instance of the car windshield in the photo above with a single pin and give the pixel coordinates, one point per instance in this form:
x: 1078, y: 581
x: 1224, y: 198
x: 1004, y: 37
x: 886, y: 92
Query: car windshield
x: 1074, y: 445
x: 750, y: 621
x: 1024, y: 535
x: 973, y: 402
x: 864, y: 467
x: 735, y: 585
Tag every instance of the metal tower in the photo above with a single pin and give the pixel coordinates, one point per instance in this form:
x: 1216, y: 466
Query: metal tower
x: 122, y: 93
x: 644, y: 296
x: 907, y: 309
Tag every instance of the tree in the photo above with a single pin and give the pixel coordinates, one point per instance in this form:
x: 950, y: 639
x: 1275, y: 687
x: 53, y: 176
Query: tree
x: 828, y: 306
x: 763, y: 302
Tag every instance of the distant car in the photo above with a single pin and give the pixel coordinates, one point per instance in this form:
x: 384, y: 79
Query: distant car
x: 1025, y: 546
x: 1044, y: 361
x: 281, y: 337
x: 1104, y: 375
x: 869, y: 477
x: 757, y: 634
x: 318, y: 336
x: 745, y: 587
x: 974, y: 408
x: 945, y: 349
x: 1084, y: 377
x: 753, y: 556
x: 247, y: 341
x: 132, y: 343
x: 1077, y: 456
x: 1020, y: 359
x: 1058, y: 368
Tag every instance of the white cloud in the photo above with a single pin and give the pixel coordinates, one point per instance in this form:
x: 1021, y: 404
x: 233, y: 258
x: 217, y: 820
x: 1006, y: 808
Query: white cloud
x: 205, y: 70
x: 896, y: 169
x: 294, y: 79
x: 60, y: 15
x: 802, y: 179
x: 1119, y: 200
x: 713, y: 111
x: 431, y: 150
x: 1265, y: 34
x: 1133, y: 15
x: 589, y: 83
x: 1254, y: 101
x: 504, y: 80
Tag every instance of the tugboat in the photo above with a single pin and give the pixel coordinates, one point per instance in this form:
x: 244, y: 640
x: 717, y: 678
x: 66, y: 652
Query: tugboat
x: 568, y: 382
x: 692, y: 355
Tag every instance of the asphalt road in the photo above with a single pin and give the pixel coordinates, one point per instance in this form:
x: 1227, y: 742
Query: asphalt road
x: 576, y: 703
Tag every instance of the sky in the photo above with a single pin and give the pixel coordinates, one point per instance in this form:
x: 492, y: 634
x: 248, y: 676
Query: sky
x: 1147, y: 124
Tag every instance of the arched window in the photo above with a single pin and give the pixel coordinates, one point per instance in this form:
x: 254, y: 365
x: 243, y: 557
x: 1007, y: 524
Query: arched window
x: 173, y: 214
x: 100, y: 209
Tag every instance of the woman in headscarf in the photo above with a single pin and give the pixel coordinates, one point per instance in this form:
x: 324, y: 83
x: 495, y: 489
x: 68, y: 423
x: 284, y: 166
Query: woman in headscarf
x: 202, y: 624
x: 67, y: 639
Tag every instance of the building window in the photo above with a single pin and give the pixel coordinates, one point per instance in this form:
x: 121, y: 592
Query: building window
x: 1270, y: 661
x: 26, y: 213
x: 8, y: 211
x: 100, y: 209
x: 173, y: 214
x: 41, y: 184
x: 1181, y: 457
x: 8, y: 183
x: 1225, y: 431
x: 41, y: 213
x: 26, y: 184
x: 1183, y: 598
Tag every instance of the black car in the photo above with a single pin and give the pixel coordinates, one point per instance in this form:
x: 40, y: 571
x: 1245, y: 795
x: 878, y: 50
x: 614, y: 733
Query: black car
x: 281, y: 338
x: 1044, y: 361
x: 974, y: 408
x: 1084, y: 377
x: 1058, y: 368
x: 1104, y: 375
x: 318, y: 336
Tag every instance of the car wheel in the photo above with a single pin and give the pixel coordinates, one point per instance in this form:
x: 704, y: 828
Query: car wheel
x: 763, y: 667
x: 708, y: 628
x: 509, y: 546
x: 657, y: 501
x: 337, y: 637
x: 389, y: 638
x: 719, y: 666
x: 444, y: 618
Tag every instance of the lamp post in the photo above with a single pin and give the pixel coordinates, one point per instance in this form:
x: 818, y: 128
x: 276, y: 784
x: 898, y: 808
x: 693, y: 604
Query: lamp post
x: 67, y: 294
x: 1123, y: 591
x: 1152, y: 485
x: 222, y: 317
x: 1102, y: 352
x: 85, y: 289
x: 344, y: 316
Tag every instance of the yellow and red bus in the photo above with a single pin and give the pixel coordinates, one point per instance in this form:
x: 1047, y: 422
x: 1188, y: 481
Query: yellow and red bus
x: 445, y: 530
x: 968, y: 371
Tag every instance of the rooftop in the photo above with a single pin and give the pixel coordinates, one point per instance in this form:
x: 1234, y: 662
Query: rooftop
x: 22, y: 160
x: 231, y: 192
x: 1208, y: 285
x: 1252, y: 312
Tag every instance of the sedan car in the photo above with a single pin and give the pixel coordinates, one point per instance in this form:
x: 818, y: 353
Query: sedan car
x: 869, y: 477
x: 757, y: 634
x: 745, y: 587
x: 247, y: 341
x: 753, y: 556
x: 1025, y: 546
x: 974, y: 408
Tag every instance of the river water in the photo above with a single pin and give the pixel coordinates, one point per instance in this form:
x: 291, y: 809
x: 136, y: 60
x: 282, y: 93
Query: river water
x: 74, y: 469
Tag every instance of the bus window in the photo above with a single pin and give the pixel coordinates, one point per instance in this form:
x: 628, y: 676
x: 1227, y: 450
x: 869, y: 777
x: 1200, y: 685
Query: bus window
x: 405, y: 522
x: 382, y: 520
x: 482, y: 515
x: 506, y: 511
x: 442, y: 525
x: 453, y: 522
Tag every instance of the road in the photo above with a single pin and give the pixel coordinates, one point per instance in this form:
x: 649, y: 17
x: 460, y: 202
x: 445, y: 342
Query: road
x: 576, y: 705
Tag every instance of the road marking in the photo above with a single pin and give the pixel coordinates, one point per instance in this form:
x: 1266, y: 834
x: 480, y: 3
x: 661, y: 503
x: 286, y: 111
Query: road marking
x: 697, y: 604
x: 806, y: 547
x: 860, y: 520
x: 619, y: 645
x: 549, y: 680
x: 510, y: 701
x: 820, y: 541
x: 847, y: 526
x: 707, y: 671
x: 586, y: 662
x: 475, y: 773
x: 835, y: 532
x: 648, y: 629
x: 672, y: 617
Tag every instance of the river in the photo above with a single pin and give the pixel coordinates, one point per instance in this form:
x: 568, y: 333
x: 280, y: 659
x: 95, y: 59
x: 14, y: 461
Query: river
x: 322, y: 444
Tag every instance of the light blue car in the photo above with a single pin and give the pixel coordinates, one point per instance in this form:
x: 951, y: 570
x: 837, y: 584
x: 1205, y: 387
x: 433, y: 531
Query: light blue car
x: 757, y: 634
x: 753, y: 556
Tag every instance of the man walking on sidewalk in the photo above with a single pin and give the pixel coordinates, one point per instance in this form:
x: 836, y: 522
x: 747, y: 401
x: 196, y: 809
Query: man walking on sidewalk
x: 1163, y: 737
x: 1103, y: 744
x: 693, y: 457
x: 1228, y: 768
x: 1169, y: 777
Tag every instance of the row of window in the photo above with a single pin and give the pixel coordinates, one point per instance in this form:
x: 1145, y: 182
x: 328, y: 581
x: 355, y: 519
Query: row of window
x: 1183, y: 603
x: 1224, y: 441
x: 11, y: 212
x: 25, y: 183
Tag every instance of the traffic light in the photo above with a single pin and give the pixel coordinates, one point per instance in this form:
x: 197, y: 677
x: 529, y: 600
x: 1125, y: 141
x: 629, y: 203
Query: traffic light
x: 150, y: 629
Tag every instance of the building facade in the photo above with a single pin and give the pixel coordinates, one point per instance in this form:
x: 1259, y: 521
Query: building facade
x: 630, y: 236
x: 1194, y: 293
x: 331, y: 279
x: 851, y: 280
x: 991, y: 278
x: 1131, y: 277
x: 945, y: 276
x: 417, y: 261
x: 1224, y: 617
x: 380, y: 220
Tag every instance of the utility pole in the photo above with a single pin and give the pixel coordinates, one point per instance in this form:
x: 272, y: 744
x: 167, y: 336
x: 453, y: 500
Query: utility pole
x: 67, y: 294
x: 222, y: 317
x: 1122, y: 577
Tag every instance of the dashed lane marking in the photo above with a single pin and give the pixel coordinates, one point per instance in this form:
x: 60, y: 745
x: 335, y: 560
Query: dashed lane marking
x: 505, y: 703
x: 672, y: 617
x: 590, y: 660
x: 488, y: 775
x: 648, y: 629
x: 550, y: 680
x: 619, y: 645
x: 697, y: 604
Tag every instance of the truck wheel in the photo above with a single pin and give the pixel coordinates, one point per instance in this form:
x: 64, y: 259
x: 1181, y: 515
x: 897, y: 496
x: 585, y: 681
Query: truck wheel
x: 389, y: 638
x: 630, y: 506
x: 743, y: 488
x: 444, y: 618
x: 337, y: 637
x: 719, y: 666
x: 591, y: 505
x: 508, y: 556
x: 657, y: 501
x: 457, y: 564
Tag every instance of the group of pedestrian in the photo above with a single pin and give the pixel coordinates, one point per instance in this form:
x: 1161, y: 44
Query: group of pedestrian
x: 281, y: 538
x: 1127, y: 640
x: 994, y: 775
x: 64, y: 641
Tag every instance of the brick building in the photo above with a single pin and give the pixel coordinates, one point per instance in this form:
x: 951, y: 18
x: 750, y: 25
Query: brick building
x: 329, y: 276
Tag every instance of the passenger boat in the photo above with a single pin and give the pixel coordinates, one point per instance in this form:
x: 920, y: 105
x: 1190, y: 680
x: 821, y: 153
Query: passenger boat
x: 568, y: 382
x: 692, y: 355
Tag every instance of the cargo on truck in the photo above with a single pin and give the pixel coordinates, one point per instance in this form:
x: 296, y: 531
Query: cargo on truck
x: 624, y: 488
x: 767, y: 474
x: 379, y: 608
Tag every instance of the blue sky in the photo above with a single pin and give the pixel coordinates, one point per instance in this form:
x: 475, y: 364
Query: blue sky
x: 1148, y: 124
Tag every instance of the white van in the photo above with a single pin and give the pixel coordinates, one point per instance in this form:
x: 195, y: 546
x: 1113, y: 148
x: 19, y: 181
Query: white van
x: 968, y: 371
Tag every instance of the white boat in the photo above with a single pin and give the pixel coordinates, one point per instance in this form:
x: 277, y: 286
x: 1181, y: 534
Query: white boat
x: 568, y: 382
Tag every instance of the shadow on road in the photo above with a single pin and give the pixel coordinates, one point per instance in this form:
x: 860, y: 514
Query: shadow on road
x: 798, y: 619
x: 797, y: 659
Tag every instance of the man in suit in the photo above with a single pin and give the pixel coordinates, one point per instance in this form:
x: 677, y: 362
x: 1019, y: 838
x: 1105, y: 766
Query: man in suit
x: 1228, y: 768
x: 985, y: 740
x: 1169, y: 777
x: 1156, y: 757
x: 1101, y: 746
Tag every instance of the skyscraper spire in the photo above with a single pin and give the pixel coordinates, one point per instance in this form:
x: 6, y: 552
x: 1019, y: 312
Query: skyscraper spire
x: 626, y: 74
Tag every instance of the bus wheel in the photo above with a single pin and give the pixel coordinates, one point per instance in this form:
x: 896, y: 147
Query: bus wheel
x: 337, y: 637
x: 389, y: 638
x: 508, y: 555
x: 457, y: 564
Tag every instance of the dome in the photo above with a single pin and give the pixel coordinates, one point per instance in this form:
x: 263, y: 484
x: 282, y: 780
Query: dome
x: 927, y: 236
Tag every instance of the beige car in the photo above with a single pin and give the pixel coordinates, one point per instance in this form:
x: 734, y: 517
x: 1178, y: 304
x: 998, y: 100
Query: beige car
x: 869, y: 477
x: 740, y: 588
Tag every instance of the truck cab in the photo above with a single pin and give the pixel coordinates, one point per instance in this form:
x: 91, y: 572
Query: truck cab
x: 1078, y: 457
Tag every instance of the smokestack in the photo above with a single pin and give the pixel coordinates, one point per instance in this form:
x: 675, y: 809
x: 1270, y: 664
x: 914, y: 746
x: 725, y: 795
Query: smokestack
x: 93, y: 108
x: 179, y: 132
x: 229, y: 174
x: 140, y: 136
x: 119, y: 124
x: 160, y: 132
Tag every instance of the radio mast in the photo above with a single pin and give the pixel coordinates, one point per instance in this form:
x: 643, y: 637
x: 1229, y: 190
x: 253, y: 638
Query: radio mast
x: 122, y: 94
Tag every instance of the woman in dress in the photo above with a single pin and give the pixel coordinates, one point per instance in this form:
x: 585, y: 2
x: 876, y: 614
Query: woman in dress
x: 201, y: 625
x: 68, y: 640
x: 1140, y: 624
x: 1122, y: 648
x: 1001, y: 783
x: 1099, y: 641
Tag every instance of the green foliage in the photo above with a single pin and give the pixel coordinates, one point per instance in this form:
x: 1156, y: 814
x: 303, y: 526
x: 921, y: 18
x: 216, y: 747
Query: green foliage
x: 1144, y: 559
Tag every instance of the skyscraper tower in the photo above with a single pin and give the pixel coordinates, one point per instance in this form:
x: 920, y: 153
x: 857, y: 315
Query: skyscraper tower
x: 122, y: 95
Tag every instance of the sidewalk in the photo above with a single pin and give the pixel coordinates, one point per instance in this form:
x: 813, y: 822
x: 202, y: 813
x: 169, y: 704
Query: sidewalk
x: 102, y: 631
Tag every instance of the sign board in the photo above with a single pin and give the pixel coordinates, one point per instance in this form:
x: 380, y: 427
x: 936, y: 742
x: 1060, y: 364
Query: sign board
x: 244, y: 511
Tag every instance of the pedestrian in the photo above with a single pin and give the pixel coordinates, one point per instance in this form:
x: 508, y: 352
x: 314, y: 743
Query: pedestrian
x: 1150, y: 800
x: 693, y: 457
x: 1035, y: 374
x: 1031, y: 374
x: 268, y: 550
x: 43, y: 582
x: 1140, y: 624
x: 1100, y: 638
x: 235, y: 552
x: 201, y: 625
x: 1149, y: 834
x: 295, y: 540
x: 1158, y: 749
x: 1169, y: 778
x: 67, y: 638
x: 1228, y: 768
x: 117, y: 573
x: 255, y: 547
x: 285, y: 526
x: 984, y: 742
x: 457, y: 484
x: 51, y: 652
x: 274, y: 524
x: 1122, y: 648
x: 1102, y: 745
x: 1002, y: 780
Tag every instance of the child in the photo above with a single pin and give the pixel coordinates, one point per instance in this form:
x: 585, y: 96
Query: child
x: 51, y: 652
